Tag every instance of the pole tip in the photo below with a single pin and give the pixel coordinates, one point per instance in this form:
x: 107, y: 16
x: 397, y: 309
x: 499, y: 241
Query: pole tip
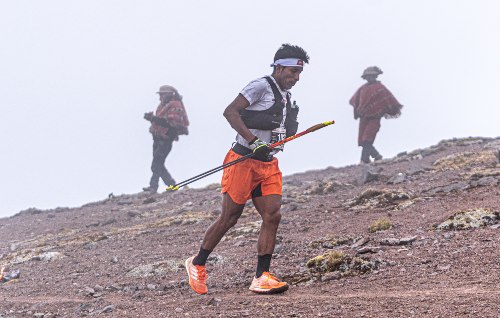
x: 173, y: 188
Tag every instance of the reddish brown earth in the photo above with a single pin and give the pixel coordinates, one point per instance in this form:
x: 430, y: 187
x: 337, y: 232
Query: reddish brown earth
x: 123, y: 256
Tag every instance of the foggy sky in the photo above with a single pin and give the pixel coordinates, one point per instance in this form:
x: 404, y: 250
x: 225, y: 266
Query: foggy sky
x: 76, y: 78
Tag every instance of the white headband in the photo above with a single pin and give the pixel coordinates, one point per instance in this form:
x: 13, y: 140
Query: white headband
x: 289, y: 62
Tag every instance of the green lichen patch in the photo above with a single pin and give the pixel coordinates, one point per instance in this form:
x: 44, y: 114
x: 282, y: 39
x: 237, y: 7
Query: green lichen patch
x: 379, y: 198
x: 466, y: 159
x: 468, y: 219
x: 327, y: 262
x: 333, y: 265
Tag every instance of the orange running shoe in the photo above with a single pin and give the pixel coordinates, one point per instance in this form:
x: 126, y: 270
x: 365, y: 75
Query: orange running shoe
x: 268, y: 284
x: 197, y: 276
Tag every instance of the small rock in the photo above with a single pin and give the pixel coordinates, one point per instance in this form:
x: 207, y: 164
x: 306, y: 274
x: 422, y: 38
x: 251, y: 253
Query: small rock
x: 107, y: 309
x: 399, y: 178
x: 132, y: 214
x: 239, y: 243
x: 88, y: 291
x: 331, y: 276
x: 448, y: 235
x: 389, y: 241
x: 213, y: 302
x: 149, y: 200
x: 407, y: 240
x: 362, y: 241
x: 98, y: 288
x: 368, y: 174
x: 370, y: 249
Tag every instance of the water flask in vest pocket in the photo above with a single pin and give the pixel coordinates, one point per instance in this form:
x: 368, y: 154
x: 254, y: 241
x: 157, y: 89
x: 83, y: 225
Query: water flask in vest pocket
x: 277, y: 135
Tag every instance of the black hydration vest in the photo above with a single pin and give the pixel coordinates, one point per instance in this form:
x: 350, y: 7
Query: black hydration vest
x: 272, y: 117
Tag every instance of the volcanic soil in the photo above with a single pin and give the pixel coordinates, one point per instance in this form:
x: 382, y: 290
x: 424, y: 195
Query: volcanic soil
x: 417, y: 235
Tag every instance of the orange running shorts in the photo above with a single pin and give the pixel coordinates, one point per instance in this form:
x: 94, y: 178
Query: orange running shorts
x: 239, y: 180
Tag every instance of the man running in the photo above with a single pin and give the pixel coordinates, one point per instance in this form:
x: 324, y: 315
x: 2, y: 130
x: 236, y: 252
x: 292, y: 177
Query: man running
x: 261, y: 114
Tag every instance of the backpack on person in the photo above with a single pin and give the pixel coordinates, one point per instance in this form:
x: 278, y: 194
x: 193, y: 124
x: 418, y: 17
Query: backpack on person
x: 177, y: 117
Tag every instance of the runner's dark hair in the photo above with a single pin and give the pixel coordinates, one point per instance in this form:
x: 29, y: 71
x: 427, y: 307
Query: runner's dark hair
x: 291, y: 51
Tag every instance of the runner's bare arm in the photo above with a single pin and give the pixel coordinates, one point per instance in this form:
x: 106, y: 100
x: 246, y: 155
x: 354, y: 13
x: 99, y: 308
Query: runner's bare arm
x: 232, y: 114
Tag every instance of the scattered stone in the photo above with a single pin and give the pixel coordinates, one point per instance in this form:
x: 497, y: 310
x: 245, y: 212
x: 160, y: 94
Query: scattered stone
x: 107, y: 222
x: 362, y: 241
x: 98, y: 288
x: 457, y: 186
x: 369, y: 174
x: 444, y: 268
x: 132, y: 214
x: 149, y: 200
x: 486, y: 181
x: 214, y: 302
x: 323, y: 187
x: 407, y: 240
x: 106, y: 309
x: 331, y: 276
x: 49, y: 256
x: 243, y: 231
x: 448, y: 235
x: 290, y: 207
x: 239, y: 243
x: 88, y: 291
x: 399, y: 178
x: 389, y: 241
x: 159, y: 269
x: 369, y: 249
x: 125, y: 202
x: 330, y: 242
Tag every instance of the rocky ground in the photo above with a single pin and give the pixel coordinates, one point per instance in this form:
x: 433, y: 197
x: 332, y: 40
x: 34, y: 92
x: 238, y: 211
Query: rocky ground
x: 412, y: 236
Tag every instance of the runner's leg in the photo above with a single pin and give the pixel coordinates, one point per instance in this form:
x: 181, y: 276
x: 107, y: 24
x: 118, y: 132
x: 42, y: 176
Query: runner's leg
x: 231, y: 212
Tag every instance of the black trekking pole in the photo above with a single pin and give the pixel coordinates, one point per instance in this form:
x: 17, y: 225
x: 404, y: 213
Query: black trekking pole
x: 228, y: 164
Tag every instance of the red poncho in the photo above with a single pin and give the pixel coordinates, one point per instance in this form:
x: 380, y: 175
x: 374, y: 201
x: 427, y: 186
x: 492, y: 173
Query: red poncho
x: 375, y: 100
x: 175, y: 113
x: 371, y: 102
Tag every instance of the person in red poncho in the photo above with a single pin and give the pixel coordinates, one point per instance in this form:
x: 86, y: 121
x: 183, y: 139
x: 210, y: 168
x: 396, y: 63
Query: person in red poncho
x: 371, y: 102
x: 167, y: 123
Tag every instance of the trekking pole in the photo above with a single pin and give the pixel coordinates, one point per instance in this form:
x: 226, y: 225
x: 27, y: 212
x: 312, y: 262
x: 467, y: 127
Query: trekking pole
x: 228, y: 164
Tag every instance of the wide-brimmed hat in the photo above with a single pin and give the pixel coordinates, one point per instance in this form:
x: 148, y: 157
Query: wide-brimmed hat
x: 371, y: 70
x: 166, y: 89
